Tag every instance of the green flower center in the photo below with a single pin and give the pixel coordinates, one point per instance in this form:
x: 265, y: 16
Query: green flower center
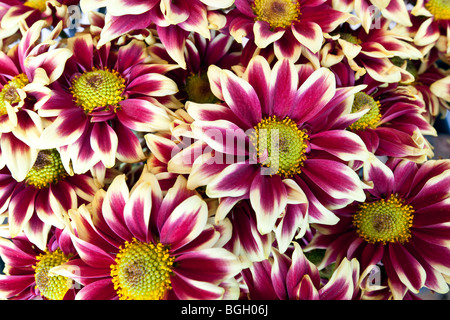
x: 384, y: 221
x: 47, y: 168
x: 280, y: 145
x: 98, y: 88
x: 440, y: 9
x: 371, y: 118
x: 199, y: 90
x: 349, y: 38
x: 53, y: 287
x: 409, y: 65
x: 9, y: 92
x: 278, y: 13
x: 36, y: 4
x: 142, y: 271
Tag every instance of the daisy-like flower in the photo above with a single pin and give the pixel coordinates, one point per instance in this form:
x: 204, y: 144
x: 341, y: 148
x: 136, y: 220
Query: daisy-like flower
x: 220, y: 50
x: 102, y: 100
x: 431, y: 84
x: 403, y: 224
x: 139, y: 244
x: 434, y: 24
x: 367, y: 11
x: 293, y: 277
x: 394, y: 122
x: 28, y: 269
x: 44, y: 197
x: 273, y: 141
x: 15, y: 12
x: 25, y: 72
x: 291, y: 26
x: 174, y: 20
x: 371, y: 52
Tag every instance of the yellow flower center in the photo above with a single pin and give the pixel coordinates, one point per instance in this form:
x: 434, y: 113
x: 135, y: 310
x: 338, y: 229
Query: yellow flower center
x: 36, y: 4
x: 440, y: 9
x: 371, y: 118
x: 47, y: 168
x: 53, y: 287
x: 98, y: 88
x: 198, y: 89
x: 9, y: 92
x: 278, y: 13
x: 142, y: 271
x: 280, y: 145
x: 384, y: 221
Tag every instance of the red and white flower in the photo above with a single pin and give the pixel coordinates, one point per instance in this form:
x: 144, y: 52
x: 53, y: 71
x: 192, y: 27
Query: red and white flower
x: 25, y: 73
x: 293, y: 277
x: 103, y: 99
x: 127, y: 231
x: 304, y: 166
x: 43, y: 199
x: 394, y: 123
x: 13, y: 13
x: 403, y: 224
x: 28, y: 269
x: 174, y: 20
x: 291, y: 26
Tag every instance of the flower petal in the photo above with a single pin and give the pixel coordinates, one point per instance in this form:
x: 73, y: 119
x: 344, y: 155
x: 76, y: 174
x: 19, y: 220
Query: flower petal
x: 185, y: 223
x: 233, y: 181
x: 314, y: 94
x: 268, y: 197
x: 283, y: 87
x: 308, y: 34
x: 335, y: 178
x: 241, y: 97
x: 104, y: 142
x: 350, y: 146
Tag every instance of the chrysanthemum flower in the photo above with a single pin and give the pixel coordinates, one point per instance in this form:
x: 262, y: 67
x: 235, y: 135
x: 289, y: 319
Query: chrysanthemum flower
x: 44, y: 197
x: 15, y: 12
x: 27, y: 274
x: 403, y: 224
x: 246, y: 161
x: 431, y: 84
x: 394, y: 122
x: 434, y: 22
x: 220, y: 50
x: 103, y: 98
x: 25, y: 72
x: 367, y: 11
x: 137, y: 244
x: 174, y: 20
x: 289, y: 25
x: 370, y: 52
x: 293, y: 277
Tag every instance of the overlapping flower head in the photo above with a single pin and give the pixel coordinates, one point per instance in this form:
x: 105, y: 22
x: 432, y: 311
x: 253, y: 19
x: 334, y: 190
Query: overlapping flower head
x: 247, y: 149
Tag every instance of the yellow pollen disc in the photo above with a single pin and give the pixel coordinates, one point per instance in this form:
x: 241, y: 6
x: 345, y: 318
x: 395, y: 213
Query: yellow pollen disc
x: 371, y: 118
x: 98, y: 88
x: 280, y: 145
x: 199, y: 90
x: 278, y: 13
x: 47, y: 169
x: 36, y: 4
x: 440, y: 9
x: 142, y: 271
x: 9, y: 92
x: 53, y: 287
x: 384, y: 221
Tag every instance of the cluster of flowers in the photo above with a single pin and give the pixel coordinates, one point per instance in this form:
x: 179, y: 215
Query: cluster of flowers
x: 221, y: 149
